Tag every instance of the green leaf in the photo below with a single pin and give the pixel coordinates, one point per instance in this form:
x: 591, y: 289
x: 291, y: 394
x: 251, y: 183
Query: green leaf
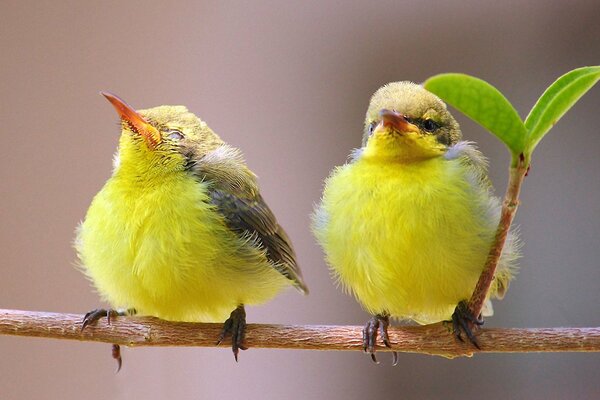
x: 556, y: 101
x: 484, y: 104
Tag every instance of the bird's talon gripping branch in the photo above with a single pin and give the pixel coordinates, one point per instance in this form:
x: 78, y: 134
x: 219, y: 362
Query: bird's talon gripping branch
x: 464, y: 321
x: 93, y: 316
x: 379, y: 323
x: 369, y: 333
x: 383, y: 332
x: 235, y: 326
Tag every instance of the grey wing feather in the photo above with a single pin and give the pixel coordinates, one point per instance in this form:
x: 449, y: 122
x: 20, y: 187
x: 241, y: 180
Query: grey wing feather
x: 475, y: 162
x: 234, y: 193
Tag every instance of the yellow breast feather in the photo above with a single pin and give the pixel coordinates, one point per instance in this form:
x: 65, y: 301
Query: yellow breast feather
x: 407, y: 239
x: 166, y: 252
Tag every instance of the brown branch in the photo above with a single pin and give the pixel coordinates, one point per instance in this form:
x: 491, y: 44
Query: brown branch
x: 432, y: 339
x: 509, y: 209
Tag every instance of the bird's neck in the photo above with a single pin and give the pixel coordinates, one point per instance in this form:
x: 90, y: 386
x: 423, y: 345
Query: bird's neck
x: 146, y: 167
x: 402, y: 155
x: 391, y: 148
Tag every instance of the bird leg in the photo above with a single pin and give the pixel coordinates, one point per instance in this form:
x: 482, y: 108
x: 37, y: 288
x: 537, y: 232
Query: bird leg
x: 379, y: 322
x: 235, y: 326
x: 464, y: 321
x: 93, y: 316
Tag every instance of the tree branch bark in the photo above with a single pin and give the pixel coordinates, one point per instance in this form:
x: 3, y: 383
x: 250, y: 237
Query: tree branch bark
x: 509, y: 209
x: 436, y: 339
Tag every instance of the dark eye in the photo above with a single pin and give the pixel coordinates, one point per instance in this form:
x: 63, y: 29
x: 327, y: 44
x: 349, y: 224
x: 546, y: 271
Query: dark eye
x: 372, y: 127
x: 430, y: 125
x: 174, y: 134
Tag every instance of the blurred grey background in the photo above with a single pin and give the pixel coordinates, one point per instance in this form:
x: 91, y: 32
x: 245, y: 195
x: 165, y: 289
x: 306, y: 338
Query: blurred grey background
x: 299, y: 76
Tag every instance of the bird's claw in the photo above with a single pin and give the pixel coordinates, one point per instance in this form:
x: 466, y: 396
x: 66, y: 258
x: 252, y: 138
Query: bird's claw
x: 379, y: 323
x: 235, y: 326
x: 116, y: 354
x: 93, y: 316
x: 464, y: 321
x: 370, y: 336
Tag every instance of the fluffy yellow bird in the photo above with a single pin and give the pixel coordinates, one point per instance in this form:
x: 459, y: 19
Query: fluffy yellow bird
x: 407, y: 223
x: 180, y: 231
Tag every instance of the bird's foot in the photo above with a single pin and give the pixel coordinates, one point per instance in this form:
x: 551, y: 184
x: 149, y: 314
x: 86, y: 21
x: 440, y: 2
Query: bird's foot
x: 463, y: 321
x: 93, y: 316
x: 236, y: 327
x: 379, y: 323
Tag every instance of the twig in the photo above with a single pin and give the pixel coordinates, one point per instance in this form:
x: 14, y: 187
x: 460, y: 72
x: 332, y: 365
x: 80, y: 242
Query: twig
x: 509, y: 209
x: 432, y: 339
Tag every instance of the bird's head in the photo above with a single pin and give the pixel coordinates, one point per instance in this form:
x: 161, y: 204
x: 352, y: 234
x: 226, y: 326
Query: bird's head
x: 407, y: 123
x: 160, y: 140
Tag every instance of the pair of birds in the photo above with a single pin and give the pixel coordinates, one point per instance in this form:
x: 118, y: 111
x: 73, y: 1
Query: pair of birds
x: 181, y: 232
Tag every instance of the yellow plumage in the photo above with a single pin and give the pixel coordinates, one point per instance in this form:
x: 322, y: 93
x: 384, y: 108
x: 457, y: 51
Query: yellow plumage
x: 407, y: 223
x: 163, y: 250
x: 180, y: 230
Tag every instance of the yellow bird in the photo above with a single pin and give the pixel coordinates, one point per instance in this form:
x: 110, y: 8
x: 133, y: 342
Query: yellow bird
x: 180, y: 231
x: 407, y: 223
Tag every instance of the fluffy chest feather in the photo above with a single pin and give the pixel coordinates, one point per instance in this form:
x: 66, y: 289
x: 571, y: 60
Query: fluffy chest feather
x: 167, y: 252
x: 154, y: 248
x: 408, y: 239
x: 145, y: 227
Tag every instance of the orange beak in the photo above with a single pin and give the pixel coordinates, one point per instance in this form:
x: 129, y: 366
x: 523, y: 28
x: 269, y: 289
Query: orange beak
x: 135, y: 121
x: 392, y: 119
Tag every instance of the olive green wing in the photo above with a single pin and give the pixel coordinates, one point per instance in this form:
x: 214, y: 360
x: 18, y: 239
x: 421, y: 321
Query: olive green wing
x: 234, y: 193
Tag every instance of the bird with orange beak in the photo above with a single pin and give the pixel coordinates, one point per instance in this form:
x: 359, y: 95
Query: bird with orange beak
x: 180, y: 231
x: 407, y: 223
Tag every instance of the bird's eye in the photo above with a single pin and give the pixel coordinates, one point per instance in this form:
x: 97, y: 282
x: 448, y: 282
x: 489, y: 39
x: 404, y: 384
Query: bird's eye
x: 430, y: 125
x: 372, y: 127
x: 175, y: 134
